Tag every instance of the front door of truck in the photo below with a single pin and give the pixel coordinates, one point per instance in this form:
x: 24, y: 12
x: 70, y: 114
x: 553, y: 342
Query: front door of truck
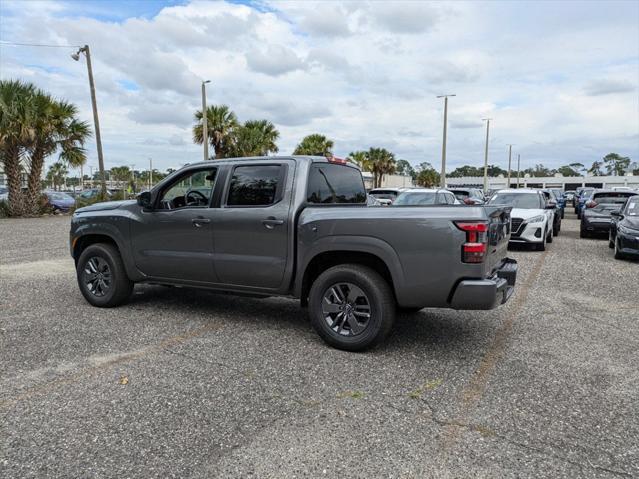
x: 251, y: 228
x: 174, y: 240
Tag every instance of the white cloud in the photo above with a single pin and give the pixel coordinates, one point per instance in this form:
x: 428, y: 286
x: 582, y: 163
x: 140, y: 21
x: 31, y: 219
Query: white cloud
x: 274, y: 60
x: 609, y: 86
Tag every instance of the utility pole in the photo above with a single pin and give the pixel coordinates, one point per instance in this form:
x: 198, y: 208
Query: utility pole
x: 518, y: 160
x: 96, y: 121
x: 443, y: 172
x: 487, y: 120
x: 205, y: 126
x: 510, y: 153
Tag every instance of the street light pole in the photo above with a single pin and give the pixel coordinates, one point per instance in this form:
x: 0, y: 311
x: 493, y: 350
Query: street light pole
x: 205, y: 132
x: 510, y: 153
x: 96, y: 120
x: 487, y: 120
x: 518, y: 160
x: 443, y: 172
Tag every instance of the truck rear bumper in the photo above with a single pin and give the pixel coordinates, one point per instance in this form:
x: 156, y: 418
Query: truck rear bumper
x: 486, y: 293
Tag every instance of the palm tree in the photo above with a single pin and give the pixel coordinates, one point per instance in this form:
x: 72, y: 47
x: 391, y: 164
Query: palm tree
x: 595, y: 169
x: 56, y: 174
x: 254, y: 138
x: 56, y: 129
x: 315, y: 145
x: 122, y: 174
x: 16, y: 130
x: 220, y: 125
x: 382, y: 162
x: 360, y: 158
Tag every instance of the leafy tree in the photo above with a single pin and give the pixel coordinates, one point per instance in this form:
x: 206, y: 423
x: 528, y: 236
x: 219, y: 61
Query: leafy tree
x: 403, y: 167
x: 616, y: 164
x: 56, y: 128
x: 494, y: 171
x: 359, y: 158
x: 220, y: 125
x: 427, y: 176
x: 578, y: 168
x: 314, y: 145
x: 254, y: 138
x: 567, y: 170
x: 381, y: 162
x: 56, y: 175
x: 466, y: 170
x: 595, y: 169
x: 16, y: 132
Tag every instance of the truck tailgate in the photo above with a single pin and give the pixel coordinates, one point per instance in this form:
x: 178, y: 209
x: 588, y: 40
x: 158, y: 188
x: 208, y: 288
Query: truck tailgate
x: 498, y: 235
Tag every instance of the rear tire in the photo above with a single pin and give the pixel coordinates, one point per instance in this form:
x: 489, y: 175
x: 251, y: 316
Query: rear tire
x: 344, y: 279
x: 102, y: 277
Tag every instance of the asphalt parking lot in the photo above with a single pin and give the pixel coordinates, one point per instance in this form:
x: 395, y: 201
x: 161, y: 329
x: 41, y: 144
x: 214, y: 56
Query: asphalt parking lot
x: 185, y: 383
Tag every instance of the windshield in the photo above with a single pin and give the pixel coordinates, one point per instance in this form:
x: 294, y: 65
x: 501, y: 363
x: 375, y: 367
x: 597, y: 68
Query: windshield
x: 611, y: 198
x: 424, y: 198
x: 517, y: 200
x: 586, y: 193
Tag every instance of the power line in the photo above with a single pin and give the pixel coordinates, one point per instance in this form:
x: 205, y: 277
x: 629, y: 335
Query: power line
x: 18, y: 44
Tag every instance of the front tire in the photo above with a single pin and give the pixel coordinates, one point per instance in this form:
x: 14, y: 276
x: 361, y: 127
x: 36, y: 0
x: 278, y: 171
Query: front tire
x: 583, y: 233
x: 351, y: 307
x: 611, y: 241
x: 101, y: 276
x: 618, y: 253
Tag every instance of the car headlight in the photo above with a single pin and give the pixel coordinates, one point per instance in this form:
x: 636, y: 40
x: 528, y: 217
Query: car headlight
x: 536, y: 219
x: 628, y: 231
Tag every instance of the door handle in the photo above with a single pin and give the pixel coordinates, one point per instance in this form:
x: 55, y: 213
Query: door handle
x: 198, y: 222
x: 271, y: 223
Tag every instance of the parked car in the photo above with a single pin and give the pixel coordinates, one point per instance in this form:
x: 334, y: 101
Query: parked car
x: 624, y: 230
x: 568, y: 196
x: 468, y: 196
x: 531, y: 217
x: 372, y: 201
x: 89, y: 196
x: 584, y: 195
x: 59, y: 201
x: 596, y: 215
x: 553, y: 201
x: 296, y: 227
x: 561, y: 200
x: 425, y: 196
x: 386, y: 196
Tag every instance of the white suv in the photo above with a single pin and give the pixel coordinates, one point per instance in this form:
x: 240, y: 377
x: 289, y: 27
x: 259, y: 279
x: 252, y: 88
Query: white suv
x: 532, y: 218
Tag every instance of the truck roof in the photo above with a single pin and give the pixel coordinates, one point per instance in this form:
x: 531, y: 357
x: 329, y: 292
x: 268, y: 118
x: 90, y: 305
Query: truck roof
x: 309, y: 158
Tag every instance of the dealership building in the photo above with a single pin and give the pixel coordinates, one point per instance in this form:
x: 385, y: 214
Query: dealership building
x: 563, y: 182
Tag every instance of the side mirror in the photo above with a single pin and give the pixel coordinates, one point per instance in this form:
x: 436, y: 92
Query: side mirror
x: 145, y: 200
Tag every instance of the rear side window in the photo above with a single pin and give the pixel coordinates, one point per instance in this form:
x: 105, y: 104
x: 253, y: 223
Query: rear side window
x: 611, y: 197
x: 254, y: 185
x: 339, y: 184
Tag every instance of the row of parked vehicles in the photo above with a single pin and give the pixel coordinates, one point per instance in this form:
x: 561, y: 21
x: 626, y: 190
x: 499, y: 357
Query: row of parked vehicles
x: 64, y: 201
x: 535, y: 216
x: 612, y: 212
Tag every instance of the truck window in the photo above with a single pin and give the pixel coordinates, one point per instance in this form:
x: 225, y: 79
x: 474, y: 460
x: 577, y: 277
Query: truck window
x: 254, y: 185
x: 329, y: 183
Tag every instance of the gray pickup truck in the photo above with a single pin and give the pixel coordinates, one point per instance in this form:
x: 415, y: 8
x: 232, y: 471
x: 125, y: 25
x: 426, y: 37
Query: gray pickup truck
x: 297, y: 227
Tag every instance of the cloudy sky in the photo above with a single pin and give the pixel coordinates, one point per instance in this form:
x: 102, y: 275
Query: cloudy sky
x: 559, y: 79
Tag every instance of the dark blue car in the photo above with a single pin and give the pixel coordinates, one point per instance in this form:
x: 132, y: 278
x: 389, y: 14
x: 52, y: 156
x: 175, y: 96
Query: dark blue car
x: 59, y: 201
x: 584, y: 196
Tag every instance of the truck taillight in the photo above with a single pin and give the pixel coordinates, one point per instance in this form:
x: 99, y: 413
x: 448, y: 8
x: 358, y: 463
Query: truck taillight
x: 336, y: 160
x: 474, y: 249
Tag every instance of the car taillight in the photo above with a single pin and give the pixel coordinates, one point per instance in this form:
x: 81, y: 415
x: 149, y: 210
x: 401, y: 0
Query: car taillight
x: 591, y: 204
x: 468, y: 201
x: 474, y: 249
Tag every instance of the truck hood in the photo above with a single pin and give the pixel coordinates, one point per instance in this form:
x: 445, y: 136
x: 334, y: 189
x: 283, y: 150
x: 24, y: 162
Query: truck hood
x: 106, y: 205
x: 526, y: 213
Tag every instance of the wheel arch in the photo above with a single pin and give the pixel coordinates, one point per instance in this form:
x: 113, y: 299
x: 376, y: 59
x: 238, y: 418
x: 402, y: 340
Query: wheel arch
x: 321, y: 259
